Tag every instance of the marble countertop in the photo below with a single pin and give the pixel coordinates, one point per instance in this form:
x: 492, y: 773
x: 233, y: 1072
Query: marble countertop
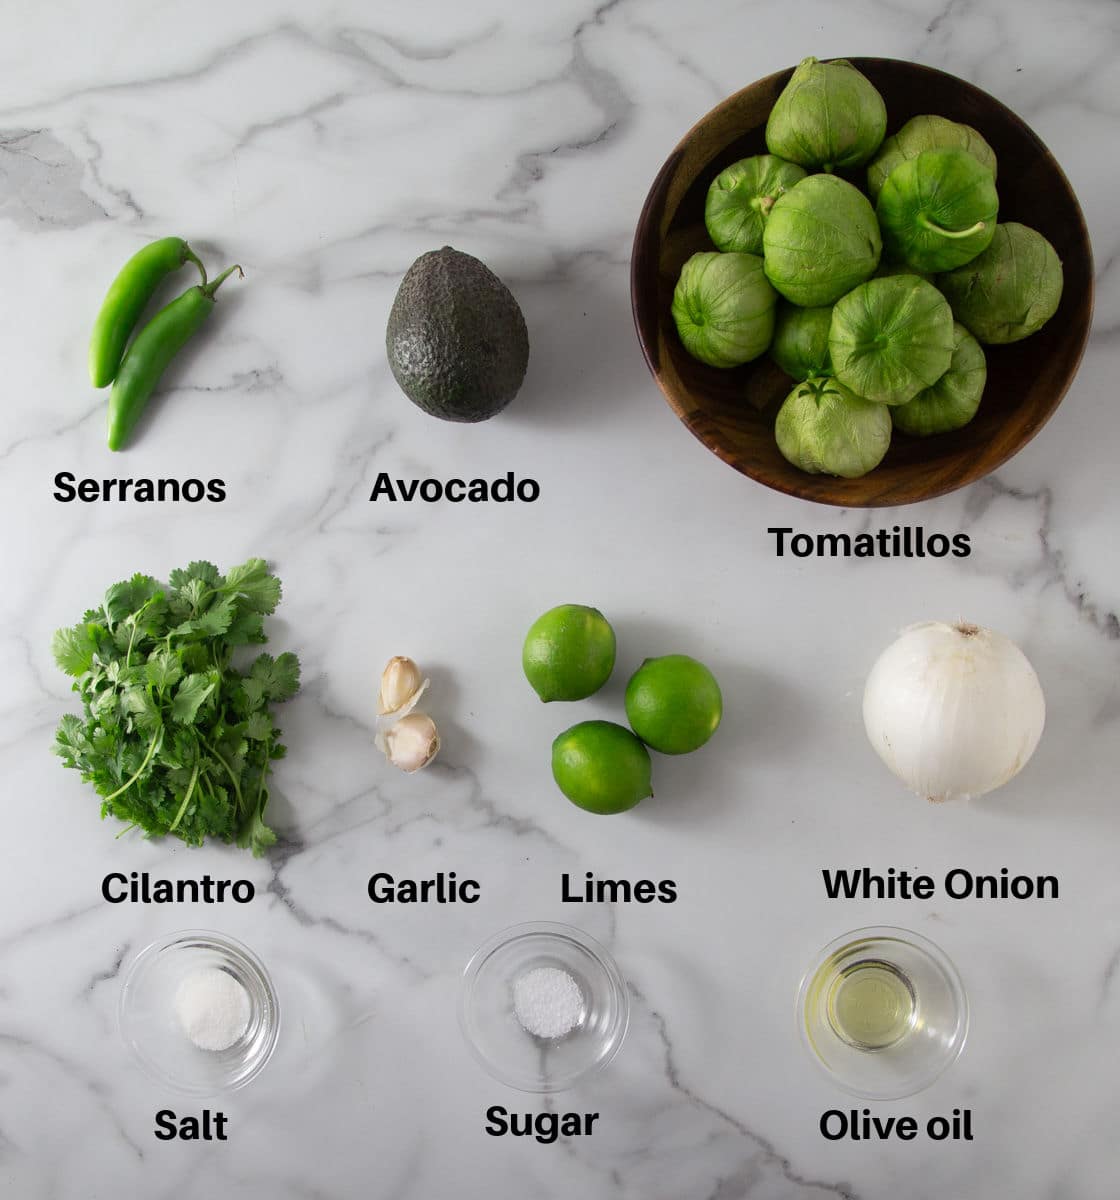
x: 324, y: 147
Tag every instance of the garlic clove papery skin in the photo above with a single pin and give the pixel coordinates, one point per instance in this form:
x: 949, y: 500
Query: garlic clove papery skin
x: 954, y: 710
x: 411, y: 743
x: 401, y: 687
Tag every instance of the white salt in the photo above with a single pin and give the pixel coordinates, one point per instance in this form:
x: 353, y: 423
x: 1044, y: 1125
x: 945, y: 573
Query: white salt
x: 213, y: 1008
x: 548, y: 1002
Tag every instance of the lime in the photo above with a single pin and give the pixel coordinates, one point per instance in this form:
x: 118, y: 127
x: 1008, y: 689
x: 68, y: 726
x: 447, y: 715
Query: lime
x: 602, y: 767
x: 673, y: 703
x: 568, y: 653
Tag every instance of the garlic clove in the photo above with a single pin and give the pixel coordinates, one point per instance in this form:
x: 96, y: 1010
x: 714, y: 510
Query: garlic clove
x: 401, y: 687
x: 411, y: 743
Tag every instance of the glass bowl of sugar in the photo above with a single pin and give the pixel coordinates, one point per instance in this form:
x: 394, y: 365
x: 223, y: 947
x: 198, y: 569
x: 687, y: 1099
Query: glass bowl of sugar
x: 542, y: 1006
x: 199, y: 1013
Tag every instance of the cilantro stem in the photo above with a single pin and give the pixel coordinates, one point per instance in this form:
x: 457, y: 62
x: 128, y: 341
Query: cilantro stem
x: 190, y: 791
x: 262, y: 791
x: 135, y: 619
x: 229, y: 772
x: 127, y: 829
x: 156, y: 738
x: 131, y: 639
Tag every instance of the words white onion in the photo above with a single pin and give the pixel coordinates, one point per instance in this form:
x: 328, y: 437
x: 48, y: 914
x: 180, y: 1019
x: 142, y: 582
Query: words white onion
x: 953, y: 710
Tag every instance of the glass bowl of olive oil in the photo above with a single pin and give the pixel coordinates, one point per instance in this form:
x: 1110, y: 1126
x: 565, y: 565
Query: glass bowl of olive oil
x: 883, y: 1012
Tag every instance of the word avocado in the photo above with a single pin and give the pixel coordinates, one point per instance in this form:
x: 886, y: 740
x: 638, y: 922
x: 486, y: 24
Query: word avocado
x: 959, y: 884
x: 140, y: 888
x: 501, y: 490
x: 68, y: 487
x: 615, y: 891
x: 211, y: 1127
x: 900, y: 541
x: 445, y: 888
x: 546, y: 1127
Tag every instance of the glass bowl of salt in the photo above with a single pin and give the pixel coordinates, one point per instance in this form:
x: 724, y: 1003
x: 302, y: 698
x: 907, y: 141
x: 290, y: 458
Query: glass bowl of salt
x: 542, y: 1006
x: 199, y: 1013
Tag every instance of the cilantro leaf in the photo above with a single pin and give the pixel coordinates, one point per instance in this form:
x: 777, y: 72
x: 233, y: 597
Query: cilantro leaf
x: 259, y: 727
x: 252, y: 583
x: 189, y: 598
x: 256, y: 835
x: 189, y: 697
x: 253, y: 692
x: 215, y: 620
x: 74, y: 649
x: 206, y: 572
x: 105, y: 706
x: 119, y: 672
x: 71, y: 742
x: 123, y: 599
x: 137, y: 701
x: 246, y: 629
x: 278, y: 677
x: 179, y: 753
x: 163, y: 669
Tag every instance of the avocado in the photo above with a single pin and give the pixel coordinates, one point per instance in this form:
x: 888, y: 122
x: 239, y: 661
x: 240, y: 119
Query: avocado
x: 456, y: 340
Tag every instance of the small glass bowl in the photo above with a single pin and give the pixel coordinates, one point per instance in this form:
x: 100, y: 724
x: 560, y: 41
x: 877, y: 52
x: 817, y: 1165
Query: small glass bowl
x: 929, y: 1035
x: 151, y: 1030
x: 499, y: 1042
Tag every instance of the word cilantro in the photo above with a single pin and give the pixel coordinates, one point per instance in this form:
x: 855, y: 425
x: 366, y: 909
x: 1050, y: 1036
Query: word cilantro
x: 173, y: 737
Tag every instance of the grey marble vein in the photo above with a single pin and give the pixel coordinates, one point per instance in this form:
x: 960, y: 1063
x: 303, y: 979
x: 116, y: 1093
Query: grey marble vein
x: 41, y: 182
x: 741, y: 1183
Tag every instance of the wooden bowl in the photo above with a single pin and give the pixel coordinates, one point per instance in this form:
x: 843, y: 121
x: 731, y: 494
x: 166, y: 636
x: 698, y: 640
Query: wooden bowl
x: 732, y: 411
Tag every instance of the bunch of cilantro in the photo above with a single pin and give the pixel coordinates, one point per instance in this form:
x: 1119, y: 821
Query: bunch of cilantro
x: 174, y: 738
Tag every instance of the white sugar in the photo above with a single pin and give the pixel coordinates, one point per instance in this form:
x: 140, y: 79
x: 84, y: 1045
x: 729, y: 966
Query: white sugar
x: 213, y: 1008
x: 548, y: 1002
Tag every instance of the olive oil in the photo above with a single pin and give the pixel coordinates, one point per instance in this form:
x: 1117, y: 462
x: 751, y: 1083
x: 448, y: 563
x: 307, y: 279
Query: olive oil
x: 883, y: 1011
x: 870, y: 1004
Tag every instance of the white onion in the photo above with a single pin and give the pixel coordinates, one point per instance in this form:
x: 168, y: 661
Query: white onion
x: 953, y: 710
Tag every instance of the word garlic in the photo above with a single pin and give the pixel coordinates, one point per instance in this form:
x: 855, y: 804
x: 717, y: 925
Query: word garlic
x: 953, y: 710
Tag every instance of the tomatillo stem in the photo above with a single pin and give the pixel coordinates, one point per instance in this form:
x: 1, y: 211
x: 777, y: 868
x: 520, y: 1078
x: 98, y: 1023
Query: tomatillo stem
x: 933, y: 227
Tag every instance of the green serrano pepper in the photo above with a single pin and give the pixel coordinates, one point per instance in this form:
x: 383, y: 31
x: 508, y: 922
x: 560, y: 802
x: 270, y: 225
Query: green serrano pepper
x: 125, y: 301
x: 151, y: 350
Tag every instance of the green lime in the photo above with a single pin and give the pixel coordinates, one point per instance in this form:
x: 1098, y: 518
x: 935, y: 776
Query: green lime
x: 568, y: 653
x: 673, y: 703
x: 601, y: 766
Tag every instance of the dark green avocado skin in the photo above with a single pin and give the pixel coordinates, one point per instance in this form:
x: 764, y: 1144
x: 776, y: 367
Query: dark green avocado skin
x: 456, y: 340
